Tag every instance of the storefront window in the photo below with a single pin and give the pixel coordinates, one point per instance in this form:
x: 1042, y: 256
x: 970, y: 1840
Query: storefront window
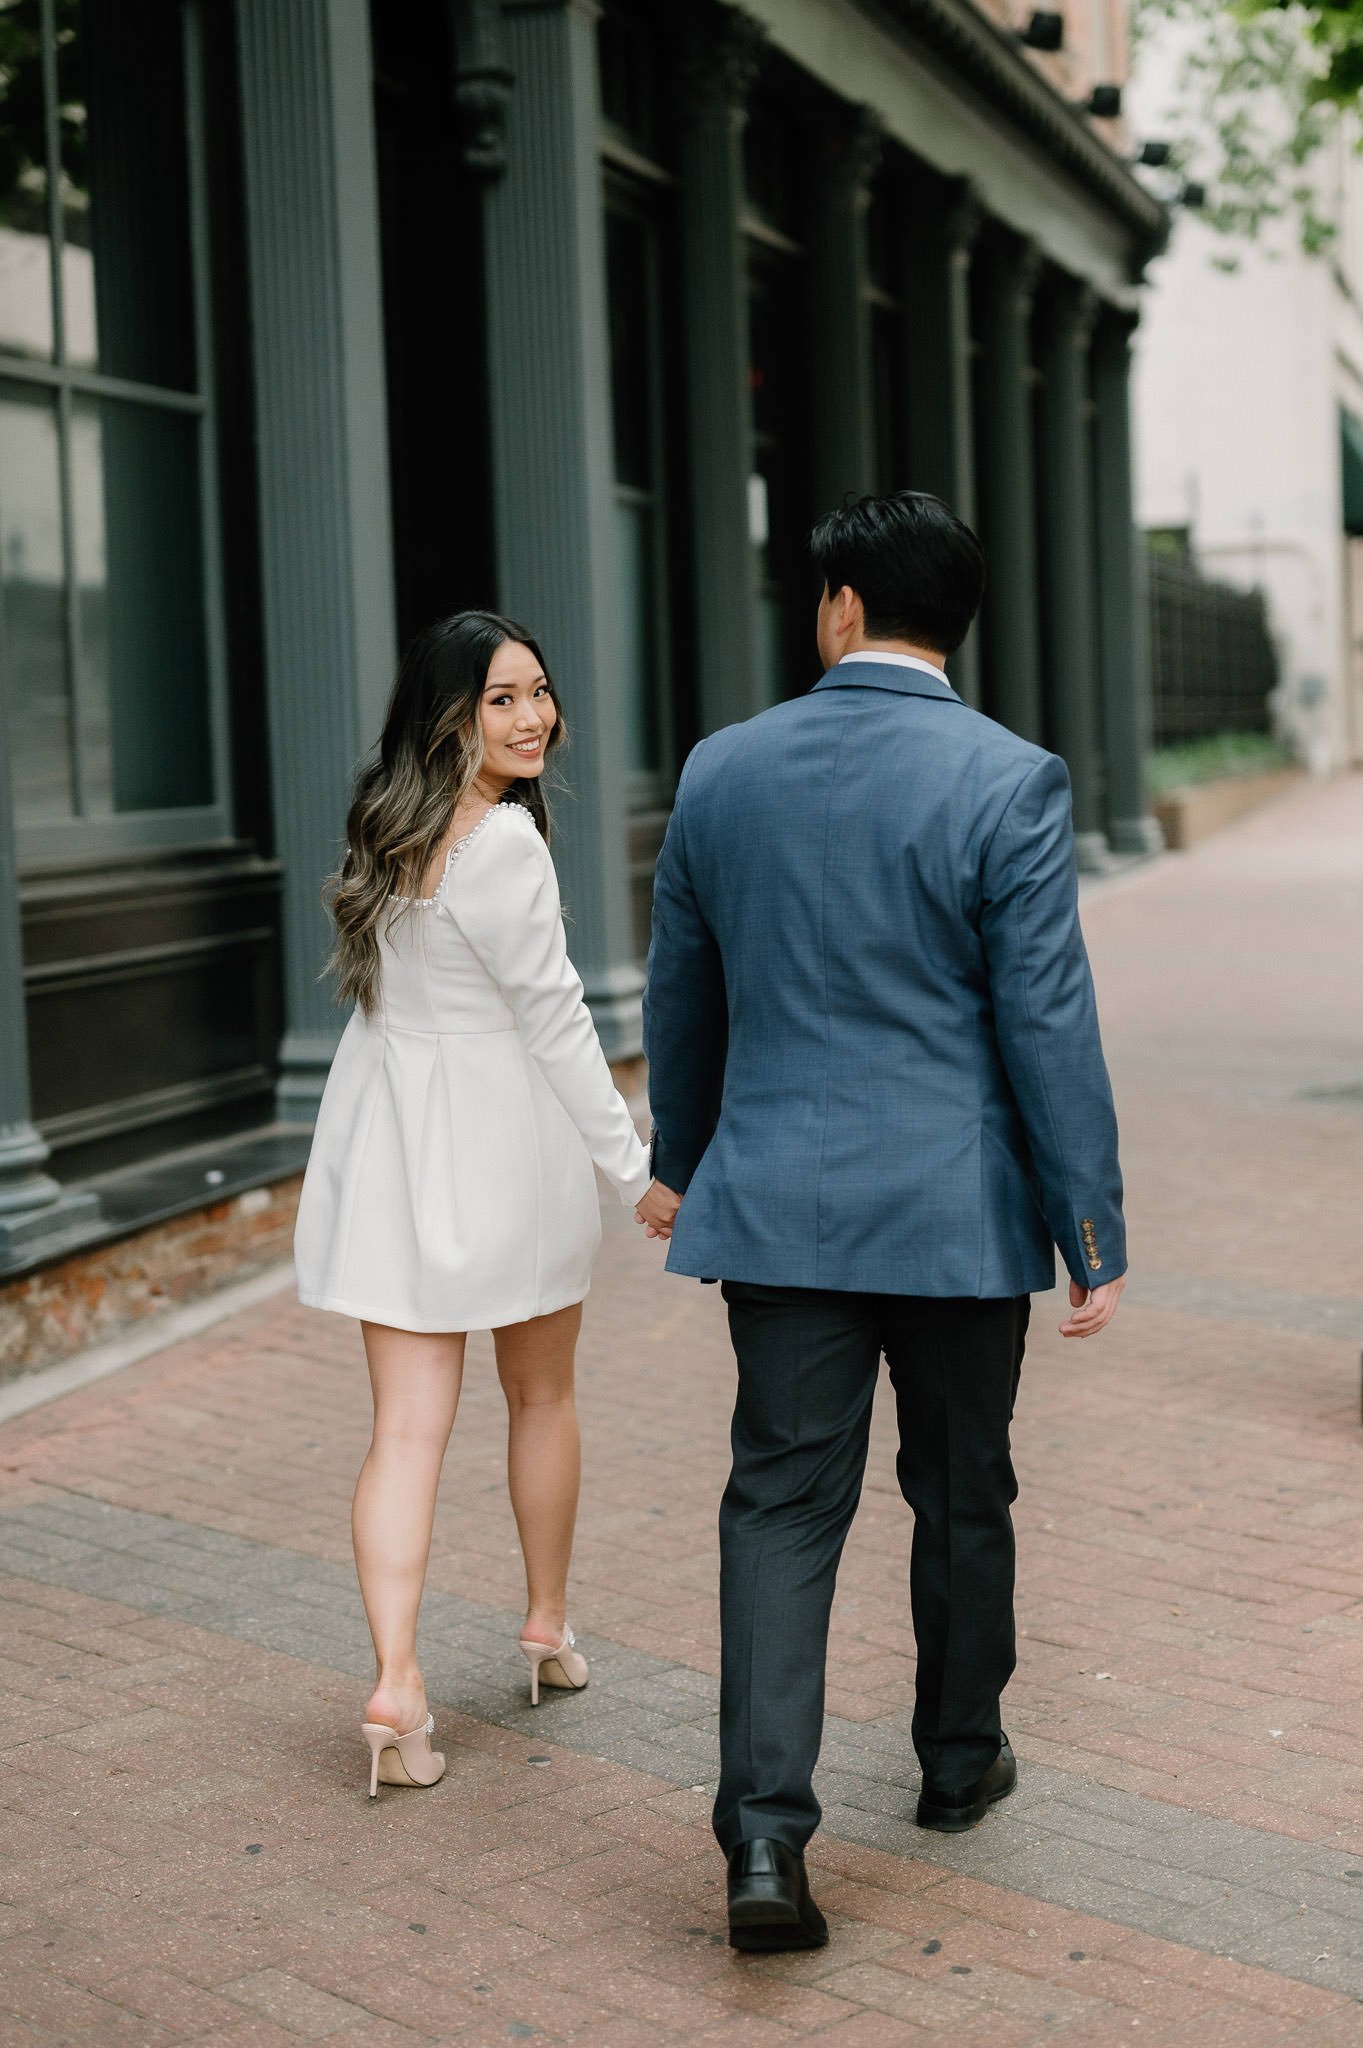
x: 25, y: 227
x: 889, y: 348
x: 634, y: 286
x: 37, y: 676
x: 632, y: 94
x: 778, y: 497
x: 107, y: 671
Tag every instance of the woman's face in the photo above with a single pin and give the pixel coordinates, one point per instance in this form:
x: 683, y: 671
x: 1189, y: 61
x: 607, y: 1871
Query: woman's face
x: 518, y: 714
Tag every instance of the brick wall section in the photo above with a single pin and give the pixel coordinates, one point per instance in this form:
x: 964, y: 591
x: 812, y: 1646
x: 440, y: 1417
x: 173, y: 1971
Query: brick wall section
x: 98, y: 1294
x: 1096, y: 50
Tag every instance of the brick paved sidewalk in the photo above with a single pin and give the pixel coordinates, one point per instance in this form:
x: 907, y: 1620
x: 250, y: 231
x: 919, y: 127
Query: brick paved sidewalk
x: 187, y: 1853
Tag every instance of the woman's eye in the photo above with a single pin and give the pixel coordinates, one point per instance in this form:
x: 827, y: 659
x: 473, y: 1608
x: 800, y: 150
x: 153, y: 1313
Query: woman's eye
x: 543, y: 690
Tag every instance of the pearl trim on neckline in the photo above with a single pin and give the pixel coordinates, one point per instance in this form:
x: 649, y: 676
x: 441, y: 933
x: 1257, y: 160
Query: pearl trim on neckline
x: 430, y: 902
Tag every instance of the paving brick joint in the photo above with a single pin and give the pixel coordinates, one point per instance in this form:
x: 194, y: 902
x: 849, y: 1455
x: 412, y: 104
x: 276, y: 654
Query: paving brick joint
x: 187, y: 1854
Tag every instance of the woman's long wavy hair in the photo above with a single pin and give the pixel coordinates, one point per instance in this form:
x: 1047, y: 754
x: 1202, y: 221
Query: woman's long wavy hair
x: 429, y: 754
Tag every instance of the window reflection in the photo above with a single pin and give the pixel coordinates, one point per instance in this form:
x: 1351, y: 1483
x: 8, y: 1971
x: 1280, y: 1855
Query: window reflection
x: 105, y: 662
x: 139, y: 581
x: 25, y: 250
x: 641, y: 627
x: 126, y: 275
x: 33, y: 597
x: 779, y: 494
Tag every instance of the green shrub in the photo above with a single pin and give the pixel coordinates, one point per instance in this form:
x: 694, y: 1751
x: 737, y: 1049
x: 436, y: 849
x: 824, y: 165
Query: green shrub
x: 1227, y: 753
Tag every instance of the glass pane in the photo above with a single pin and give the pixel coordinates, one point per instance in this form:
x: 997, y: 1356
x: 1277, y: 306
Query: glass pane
x: 631, y: 344
x: 126, y: 279
x: 888, y: 358
x: 36, y: 685
x: 628, y: 65
x: 771, y: 169
x: 771, y: 649
x: 143, y: 655
x: 25, y: 250
x: 638, y: 636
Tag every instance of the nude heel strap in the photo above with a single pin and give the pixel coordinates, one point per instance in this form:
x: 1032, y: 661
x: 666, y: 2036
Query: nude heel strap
x: 560, y: 1665
x: 402, y: 1759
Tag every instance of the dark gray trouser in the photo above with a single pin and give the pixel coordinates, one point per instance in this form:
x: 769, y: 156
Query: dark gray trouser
x: 808, y: 1362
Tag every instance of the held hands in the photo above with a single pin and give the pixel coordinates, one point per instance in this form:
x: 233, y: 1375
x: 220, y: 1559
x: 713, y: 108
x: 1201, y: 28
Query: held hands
x: 1091, y: 1312
x: 658, y: 1210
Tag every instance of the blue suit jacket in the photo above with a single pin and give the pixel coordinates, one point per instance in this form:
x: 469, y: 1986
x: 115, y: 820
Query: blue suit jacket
x: 873, y: 1047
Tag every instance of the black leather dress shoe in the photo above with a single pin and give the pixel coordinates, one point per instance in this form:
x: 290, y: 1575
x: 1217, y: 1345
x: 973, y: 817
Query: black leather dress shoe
x: 952, y: 1812
x: 769, y: 1903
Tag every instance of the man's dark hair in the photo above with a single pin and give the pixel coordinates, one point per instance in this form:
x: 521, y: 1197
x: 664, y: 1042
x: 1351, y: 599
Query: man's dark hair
x: 917, y: 568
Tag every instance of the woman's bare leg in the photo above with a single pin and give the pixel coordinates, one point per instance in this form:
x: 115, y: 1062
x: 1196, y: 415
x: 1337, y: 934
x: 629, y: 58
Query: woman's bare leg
x: 535, y: 1366
x: 416, y: 1381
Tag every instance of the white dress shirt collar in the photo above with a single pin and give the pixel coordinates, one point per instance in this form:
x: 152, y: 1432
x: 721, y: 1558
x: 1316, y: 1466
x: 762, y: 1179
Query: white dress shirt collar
x: 929, y: 668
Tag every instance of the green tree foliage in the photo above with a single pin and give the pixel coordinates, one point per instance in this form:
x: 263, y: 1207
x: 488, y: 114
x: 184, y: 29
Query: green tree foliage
x: 1260, y: 88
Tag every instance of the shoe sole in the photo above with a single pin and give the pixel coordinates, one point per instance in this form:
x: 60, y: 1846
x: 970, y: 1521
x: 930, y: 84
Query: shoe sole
x: 761, y: 1926
x: 768, y: 1941
x: 958, y: 1820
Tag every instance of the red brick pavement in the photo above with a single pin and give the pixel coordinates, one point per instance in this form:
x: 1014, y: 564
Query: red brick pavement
x: 187, y: 1854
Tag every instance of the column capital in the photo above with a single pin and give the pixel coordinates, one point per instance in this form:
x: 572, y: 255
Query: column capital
x: 960, y: 216
x: 481, y: 85
x: 1114, y: 330
x: 482, y: 101
x: 720, y: 50
x: 1014, y: 263
x: 1069, y: 308
x: 850, y: 145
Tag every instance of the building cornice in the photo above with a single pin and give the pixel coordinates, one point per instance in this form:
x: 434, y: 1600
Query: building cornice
x: 991, y: 60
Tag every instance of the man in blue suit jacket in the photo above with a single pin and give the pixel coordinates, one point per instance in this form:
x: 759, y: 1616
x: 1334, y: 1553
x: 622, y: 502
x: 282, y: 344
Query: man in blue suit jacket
x: 880, y: 1103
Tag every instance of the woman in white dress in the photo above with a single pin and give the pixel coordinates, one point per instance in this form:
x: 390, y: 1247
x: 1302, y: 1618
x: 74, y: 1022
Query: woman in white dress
x: 450, y: 1186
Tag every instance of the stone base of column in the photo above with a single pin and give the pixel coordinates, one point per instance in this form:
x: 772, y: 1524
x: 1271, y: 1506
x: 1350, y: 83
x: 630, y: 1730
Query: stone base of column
x: 35, y: 1209
x: 1137, y: 835
x: 57, y: 1224
x: 615, y: 1000
x: 1092, y: 853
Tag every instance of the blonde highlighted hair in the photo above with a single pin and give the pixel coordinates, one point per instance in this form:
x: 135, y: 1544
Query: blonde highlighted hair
x: 429, y: 755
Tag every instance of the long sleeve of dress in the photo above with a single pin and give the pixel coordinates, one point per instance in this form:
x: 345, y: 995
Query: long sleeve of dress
x: 505, y: 901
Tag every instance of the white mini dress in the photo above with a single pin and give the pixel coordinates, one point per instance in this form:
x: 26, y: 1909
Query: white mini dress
x: 450, y: 1183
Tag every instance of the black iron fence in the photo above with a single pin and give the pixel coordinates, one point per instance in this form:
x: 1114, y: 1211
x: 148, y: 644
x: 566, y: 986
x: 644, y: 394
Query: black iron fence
x: 1212, y: 655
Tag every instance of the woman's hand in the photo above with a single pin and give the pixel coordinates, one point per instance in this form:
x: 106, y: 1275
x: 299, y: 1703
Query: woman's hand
x: 658, y: 1210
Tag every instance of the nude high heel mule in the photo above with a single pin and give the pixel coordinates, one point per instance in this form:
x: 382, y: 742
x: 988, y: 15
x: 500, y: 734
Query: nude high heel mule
x: 560, y: 1665
x: 402, y: 1759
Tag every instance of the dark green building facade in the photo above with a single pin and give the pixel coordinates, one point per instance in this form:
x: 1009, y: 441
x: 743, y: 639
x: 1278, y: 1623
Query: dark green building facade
x: 319, y: 319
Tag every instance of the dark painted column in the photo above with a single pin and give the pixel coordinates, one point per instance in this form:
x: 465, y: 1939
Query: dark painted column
x: 945, y: 221
x: 721, y: 52
x: 322, y: 459
x: 1007, y: 269
x: 549, y: 370
x: 1065, y: 315
x: 847, y: 149
x: 36, y: 1213
x: 1123, y: 635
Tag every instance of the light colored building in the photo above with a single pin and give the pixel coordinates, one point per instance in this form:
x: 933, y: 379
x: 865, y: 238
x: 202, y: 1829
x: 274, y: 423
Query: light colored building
x: 1248, y: 414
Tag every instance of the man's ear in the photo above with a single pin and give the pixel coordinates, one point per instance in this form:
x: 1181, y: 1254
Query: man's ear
x: 847, y: 609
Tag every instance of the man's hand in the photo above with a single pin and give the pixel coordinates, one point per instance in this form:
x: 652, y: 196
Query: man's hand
x: 658, y: 1210
x: 1092, y: 1312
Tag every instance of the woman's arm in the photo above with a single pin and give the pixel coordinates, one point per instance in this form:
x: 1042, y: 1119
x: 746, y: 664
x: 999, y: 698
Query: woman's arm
x: 503, y: 895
